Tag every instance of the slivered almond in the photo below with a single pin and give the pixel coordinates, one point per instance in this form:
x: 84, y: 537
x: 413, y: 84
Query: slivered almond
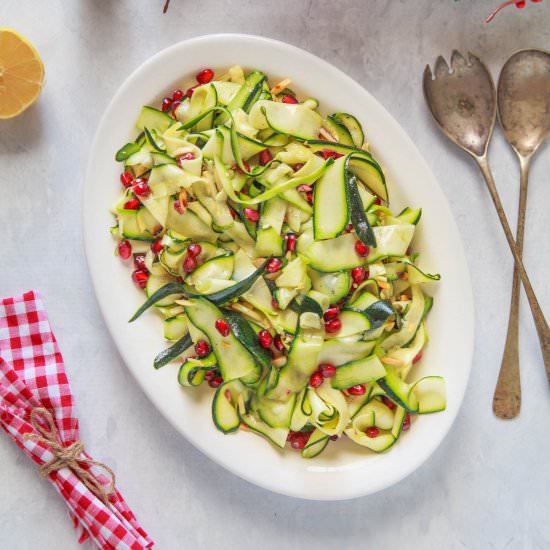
x: 183, y: 200
x: 252, y: 314
x: 327, y: 135
x: 392, y: 361
x: 258, y: 261
x: 176, y: 311
x: 365, y: 146
x: 383, y: 285
x: 279, y: 362
x: 278, y: 88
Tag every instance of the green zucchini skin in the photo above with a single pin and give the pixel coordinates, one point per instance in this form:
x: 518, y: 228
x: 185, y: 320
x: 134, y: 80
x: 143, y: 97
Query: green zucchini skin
x: 219, y: 298
x: 169, y: 354
x: 224, y: 415
x: 378, y: 313
x: 353, y: 126
x: 246, y: 335
x: 126, y: 151
x: 227, y: 295
x: 357, y: 214
x: 245, y: 97
x: 166, y: 290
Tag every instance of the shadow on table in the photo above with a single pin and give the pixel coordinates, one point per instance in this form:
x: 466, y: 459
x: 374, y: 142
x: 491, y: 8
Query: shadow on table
x: 22, y: 133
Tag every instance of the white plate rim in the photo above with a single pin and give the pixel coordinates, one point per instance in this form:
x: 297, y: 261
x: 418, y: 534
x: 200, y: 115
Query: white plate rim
x: 340, y: 487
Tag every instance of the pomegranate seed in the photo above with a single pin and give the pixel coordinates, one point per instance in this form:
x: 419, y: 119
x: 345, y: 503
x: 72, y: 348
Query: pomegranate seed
x: 378, y: 201
x: 329, y: 154
x: 177, y: 95
x: 334, y: 325
x: 290, y: 99
x: 388, y: 402
x: 361, y: 248
x: 245, y: 165
x: 141, y: 188
x: 372, y: 431
x: 222, y: 327
x: 157, y: 246
x: 231, y: 211
x: 140, y: 277
x: 274, y: 303
x: 331, y: 312
x: 209, y: 374
x: 166, y: 104
x: 349, y: 227
x: 298, y: 440
x: 521, y: 4
x: 316, y: 379
x: 358, y: 274
x: 334, y: 437
x: 406, y: 422
x: 278, y: 342
x: 298, y: 443
x: 205, y: 76
x: 327, y: 370
x: 265, y: 338
x: 194, y: 249
x: 132, y: 204
x: 215, y: 382
x: 309, y: 197
x: 139, y: 262
x: 417, y: 357
x: 273, y: 265
x: 184, y: 157
x: 251, y: 215
x: 298, y: 166
x: 357, y: 390
x: 189, y: 264
x: 175, y: 106
x: 187, y: 156
x: 190, y: 91
x: 202, y: 348
x: 179, y: 208
x: 290, y: 242
x: 124, y: 249
x: 264, y: 157
x: 126, y: 179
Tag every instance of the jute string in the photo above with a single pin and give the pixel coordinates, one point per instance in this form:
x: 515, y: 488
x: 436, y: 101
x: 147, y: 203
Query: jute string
x: 70, y: 456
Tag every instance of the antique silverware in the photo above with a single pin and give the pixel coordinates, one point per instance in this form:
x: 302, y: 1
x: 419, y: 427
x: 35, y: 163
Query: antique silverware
x: 523, y: 100
x: 462, y: 100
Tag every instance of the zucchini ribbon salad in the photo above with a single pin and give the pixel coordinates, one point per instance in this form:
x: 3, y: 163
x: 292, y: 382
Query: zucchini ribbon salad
x: 260, y: 231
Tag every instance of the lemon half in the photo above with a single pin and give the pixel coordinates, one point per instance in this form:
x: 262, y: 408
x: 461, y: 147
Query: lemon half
x: 21, y: 74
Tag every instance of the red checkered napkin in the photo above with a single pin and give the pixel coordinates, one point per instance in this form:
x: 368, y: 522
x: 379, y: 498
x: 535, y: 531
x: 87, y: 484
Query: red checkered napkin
x: 32, y: 375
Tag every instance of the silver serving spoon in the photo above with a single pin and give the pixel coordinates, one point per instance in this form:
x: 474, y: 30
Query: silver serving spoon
x: 523, y: 99
x: 463, y: 103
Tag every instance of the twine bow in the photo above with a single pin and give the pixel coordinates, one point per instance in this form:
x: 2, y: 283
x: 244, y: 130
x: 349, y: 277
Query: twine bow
x: 70, y: 456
